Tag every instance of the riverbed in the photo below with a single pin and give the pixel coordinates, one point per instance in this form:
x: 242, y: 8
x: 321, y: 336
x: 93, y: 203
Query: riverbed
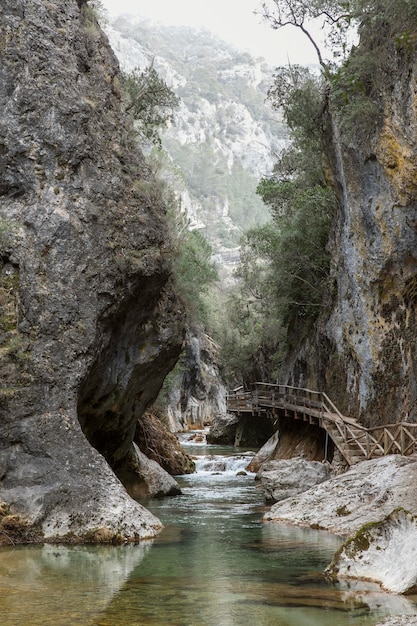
x: 215, y: 564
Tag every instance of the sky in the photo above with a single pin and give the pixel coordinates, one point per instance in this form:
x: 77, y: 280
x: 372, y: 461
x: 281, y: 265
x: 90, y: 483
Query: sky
x: 233, y: 20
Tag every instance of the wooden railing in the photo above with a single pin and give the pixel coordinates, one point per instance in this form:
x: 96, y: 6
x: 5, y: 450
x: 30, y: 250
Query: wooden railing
x: 367, y: 443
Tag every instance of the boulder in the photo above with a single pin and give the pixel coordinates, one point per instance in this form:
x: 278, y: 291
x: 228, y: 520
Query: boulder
x: 223, y: 429
x: 145, y: 478
x: 367, y: 492
x: 384, y: 551
x: 287, y: 478
x: 265, y: 453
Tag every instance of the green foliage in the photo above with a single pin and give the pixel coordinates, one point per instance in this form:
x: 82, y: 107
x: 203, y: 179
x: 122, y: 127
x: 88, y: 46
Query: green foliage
x: 193, y: 270
x: 151, y: 102
x: 283, y: 274
x: 388, y: 32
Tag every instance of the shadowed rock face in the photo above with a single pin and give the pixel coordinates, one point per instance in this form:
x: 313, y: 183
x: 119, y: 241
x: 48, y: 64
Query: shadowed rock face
x: 89, y: 323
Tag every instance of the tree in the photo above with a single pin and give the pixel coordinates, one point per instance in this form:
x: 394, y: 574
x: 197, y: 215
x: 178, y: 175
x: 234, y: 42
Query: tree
x: 339, y: 19
x: 334, y: 17
x: 284, y: 269
x: 151, y: 102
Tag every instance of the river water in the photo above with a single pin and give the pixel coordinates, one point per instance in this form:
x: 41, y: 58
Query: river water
x: 214, y: 564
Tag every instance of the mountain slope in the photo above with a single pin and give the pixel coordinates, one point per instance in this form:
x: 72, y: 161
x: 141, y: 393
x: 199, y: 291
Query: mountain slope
x: 225, y: 135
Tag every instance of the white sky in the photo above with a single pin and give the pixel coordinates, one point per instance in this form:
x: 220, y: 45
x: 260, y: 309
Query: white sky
x: 233, y: 20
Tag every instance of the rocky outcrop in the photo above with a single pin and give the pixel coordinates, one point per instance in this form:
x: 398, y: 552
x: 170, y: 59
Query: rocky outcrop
x: 198, y: 392
x: 284, y: 479
x: 264, y: 454
x: 294, y: 439
x: 223, y: 429
x: 232, y: 429
x: 89, y: 323
x: 144, y: 478
x: 383, y: 551
x: 367, y: 492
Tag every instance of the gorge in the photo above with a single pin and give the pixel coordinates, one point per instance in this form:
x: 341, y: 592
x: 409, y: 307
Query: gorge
x: 92, y: 319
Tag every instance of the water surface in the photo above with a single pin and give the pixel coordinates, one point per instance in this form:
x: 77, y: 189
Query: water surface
x: 214, y: 564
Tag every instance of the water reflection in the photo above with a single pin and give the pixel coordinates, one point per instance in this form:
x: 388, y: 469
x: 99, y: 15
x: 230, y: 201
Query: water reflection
x: 62, y: 585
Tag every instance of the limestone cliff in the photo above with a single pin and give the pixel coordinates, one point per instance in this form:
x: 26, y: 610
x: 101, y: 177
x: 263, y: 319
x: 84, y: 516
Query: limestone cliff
x: 90, y: 325
x: 364, y: 352
x: 198, y: 392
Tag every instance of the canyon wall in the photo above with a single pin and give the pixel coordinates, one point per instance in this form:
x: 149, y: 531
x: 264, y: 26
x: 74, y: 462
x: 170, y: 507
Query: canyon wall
x: 364, y: 350
x: 89, y: 323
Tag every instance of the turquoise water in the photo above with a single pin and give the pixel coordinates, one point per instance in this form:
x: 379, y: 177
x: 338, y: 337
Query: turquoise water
x: 215, y: 564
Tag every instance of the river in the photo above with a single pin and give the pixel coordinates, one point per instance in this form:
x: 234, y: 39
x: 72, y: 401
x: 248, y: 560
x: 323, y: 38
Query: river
x: 214, y: 564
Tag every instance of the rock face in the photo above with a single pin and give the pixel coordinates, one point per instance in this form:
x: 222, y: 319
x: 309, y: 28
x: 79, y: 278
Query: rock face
x: 231, y: 429
x: 367, y: 492
x: 285, y: 479
x: 384, y: 551
x: 89, y: 322
x: 364, y: 353
x: 199, y: 393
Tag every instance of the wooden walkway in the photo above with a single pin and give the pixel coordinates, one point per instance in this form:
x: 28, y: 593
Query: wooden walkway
x: 355, y: 442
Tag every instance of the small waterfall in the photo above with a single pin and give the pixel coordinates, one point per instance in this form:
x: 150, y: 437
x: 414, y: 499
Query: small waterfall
x: 218, y: 464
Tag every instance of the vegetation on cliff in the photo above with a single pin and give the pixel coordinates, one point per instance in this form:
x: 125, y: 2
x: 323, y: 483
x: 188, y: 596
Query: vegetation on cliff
x: 287, y: 278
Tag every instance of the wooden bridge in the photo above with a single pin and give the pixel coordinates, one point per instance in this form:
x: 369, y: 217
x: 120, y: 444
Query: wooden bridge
x: 354, y: 441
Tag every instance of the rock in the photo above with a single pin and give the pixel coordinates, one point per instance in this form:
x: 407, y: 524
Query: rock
x: 90, y: 325
x: 367, y: 492
x: 145, y: 478
x: 266, y: 453
x: 293, y: 439
x: 384, y: 551
x: 159, y: 444
x: 223, y: 429
x: 286, y: 478
x: 198, y: 392
x: 229, y: 429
